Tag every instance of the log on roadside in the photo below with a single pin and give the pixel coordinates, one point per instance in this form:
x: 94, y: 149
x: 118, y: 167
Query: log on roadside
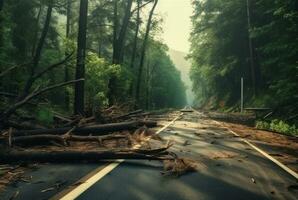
x: 82, y: 156
x: 24, y: 125
x: 61, y: 139
x: 102, y: 129
x: 128, y: 114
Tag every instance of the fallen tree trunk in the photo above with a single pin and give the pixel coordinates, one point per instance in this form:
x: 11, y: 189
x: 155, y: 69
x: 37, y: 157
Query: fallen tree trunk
x: 102, y: 129
x: 128, y: 114
x: 140, y: 115
x: 79, y: 156
x: 24, y: 125
x: 63, y: 139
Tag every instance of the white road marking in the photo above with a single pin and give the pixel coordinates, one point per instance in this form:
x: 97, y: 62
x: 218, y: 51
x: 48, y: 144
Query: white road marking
x: 284, y: 167
x: 73, y: 194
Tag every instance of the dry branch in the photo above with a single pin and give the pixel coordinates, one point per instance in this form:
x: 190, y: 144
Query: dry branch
x: 35, y: 93
x: 102, y: 129
x: 12, y: 68
x: 61, y: 139
x: 128, y: 114
x: 78, y: 156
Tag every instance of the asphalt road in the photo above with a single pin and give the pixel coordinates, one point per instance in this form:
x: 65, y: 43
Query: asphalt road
x: 227, y: 169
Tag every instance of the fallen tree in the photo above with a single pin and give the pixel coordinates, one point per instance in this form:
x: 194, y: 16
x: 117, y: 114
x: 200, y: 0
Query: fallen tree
x: 10, y: 110
x: 61, y: 139
x: 79, y: 156
x: 128, y: 114
x: 101, y: 129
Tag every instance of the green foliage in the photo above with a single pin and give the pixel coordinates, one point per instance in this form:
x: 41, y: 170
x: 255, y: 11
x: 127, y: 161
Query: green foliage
x: 278, y: 126
x: 98, y: 73
x: 220, y: 53
x: 44, y: 115
x: 164, y: 87
x: 21, y: 25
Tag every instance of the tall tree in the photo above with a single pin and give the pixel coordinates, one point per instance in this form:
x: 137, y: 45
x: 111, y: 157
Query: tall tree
x: 36, y: 29
x: 135, y: 41
x: 1, y: 4
x: 120, y: 39
x: 81, y: 53
x: 1, y: 21
x: 143, y: 51
x: 251, y: 52
x: 67, y: 33
x: 38, y: 52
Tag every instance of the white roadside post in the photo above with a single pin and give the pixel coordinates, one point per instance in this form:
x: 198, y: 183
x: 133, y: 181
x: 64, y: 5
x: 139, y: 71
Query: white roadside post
x: 241, y: 94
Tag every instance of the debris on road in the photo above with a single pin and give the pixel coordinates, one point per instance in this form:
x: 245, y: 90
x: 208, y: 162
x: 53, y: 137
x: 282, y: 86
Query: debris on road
x: 178, y: 167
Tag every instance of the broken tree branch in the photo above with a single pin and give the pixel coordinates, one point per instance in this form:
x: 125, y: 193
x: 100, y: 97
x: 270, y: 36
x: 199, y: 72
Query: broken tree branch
x: 128, y: 114
x: 12, y: 68
x: 49, y: 68
x: 63, y: 139
x: 101, y: 129
x: 78, y: 156
x: 35, y: 93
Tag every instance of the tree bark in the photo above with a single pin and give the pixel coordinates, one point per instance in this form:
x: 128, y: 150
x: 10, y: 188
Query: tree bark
x: 143, y: 51
x: 128, y: 114
x: 251, y: 52
x: 36, y: 29
x: 61, y: 139
x: 66, y: 70
x: 102, y: 129
x: 1, y: 5
x: 1, y: 23
x: 77, y: 156
x: 123, y: 31
x: 118, y: 45
x: 80, y: 69
x: 4, y: 116
x: 135, y: 41
x: 120, y: 39
x: 115, y: 29
x: 37, y: 56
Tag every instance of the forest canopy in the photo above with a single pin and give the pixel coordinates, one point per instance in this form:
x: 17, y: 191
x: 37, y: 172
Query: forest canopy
x: 253, y: 39
x: 102, y: 52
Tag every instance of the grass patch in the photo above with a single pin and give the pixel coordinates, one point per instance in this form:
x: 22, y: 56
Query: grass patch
x: 278, y: 126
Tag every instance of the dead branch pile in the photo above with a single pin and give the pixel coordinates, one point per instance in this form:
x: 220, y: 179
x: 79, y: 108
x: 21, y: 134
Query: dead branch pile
x: 87, y: 139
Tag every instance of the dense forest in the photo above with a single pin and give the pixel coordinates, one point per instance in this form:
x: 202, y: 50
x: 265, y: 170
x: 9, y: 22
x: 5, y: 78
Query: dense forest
x: 80, y: 56
x: 253, y: 39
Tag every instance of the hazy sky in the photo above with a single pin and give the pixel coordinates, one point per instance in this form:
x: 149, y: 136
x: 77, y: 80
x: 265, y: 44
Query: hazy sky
x: 177, y: 24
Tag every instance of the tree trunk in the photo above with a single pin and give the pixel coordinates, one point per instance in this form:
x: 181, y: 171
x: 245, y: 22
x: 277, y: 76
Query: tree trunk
x: 37, y: 56
x: 115, y: 30
x: 123, y: 31
x: 10, y: 110
x: 128, y: 114
x: 66, y: 70
x: 78, y: 156
x: 36, y: 29
x: 147, y: 84
x: 251, y: 52
x: 143, y: 51
x: 1, y: 5
x: 135, y: 41
x: 120, y: 39
x: 61, y: 139
x: 80, y: 69
x: 1, y: 23
x: 102, y: 129
x: 118, y: 45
